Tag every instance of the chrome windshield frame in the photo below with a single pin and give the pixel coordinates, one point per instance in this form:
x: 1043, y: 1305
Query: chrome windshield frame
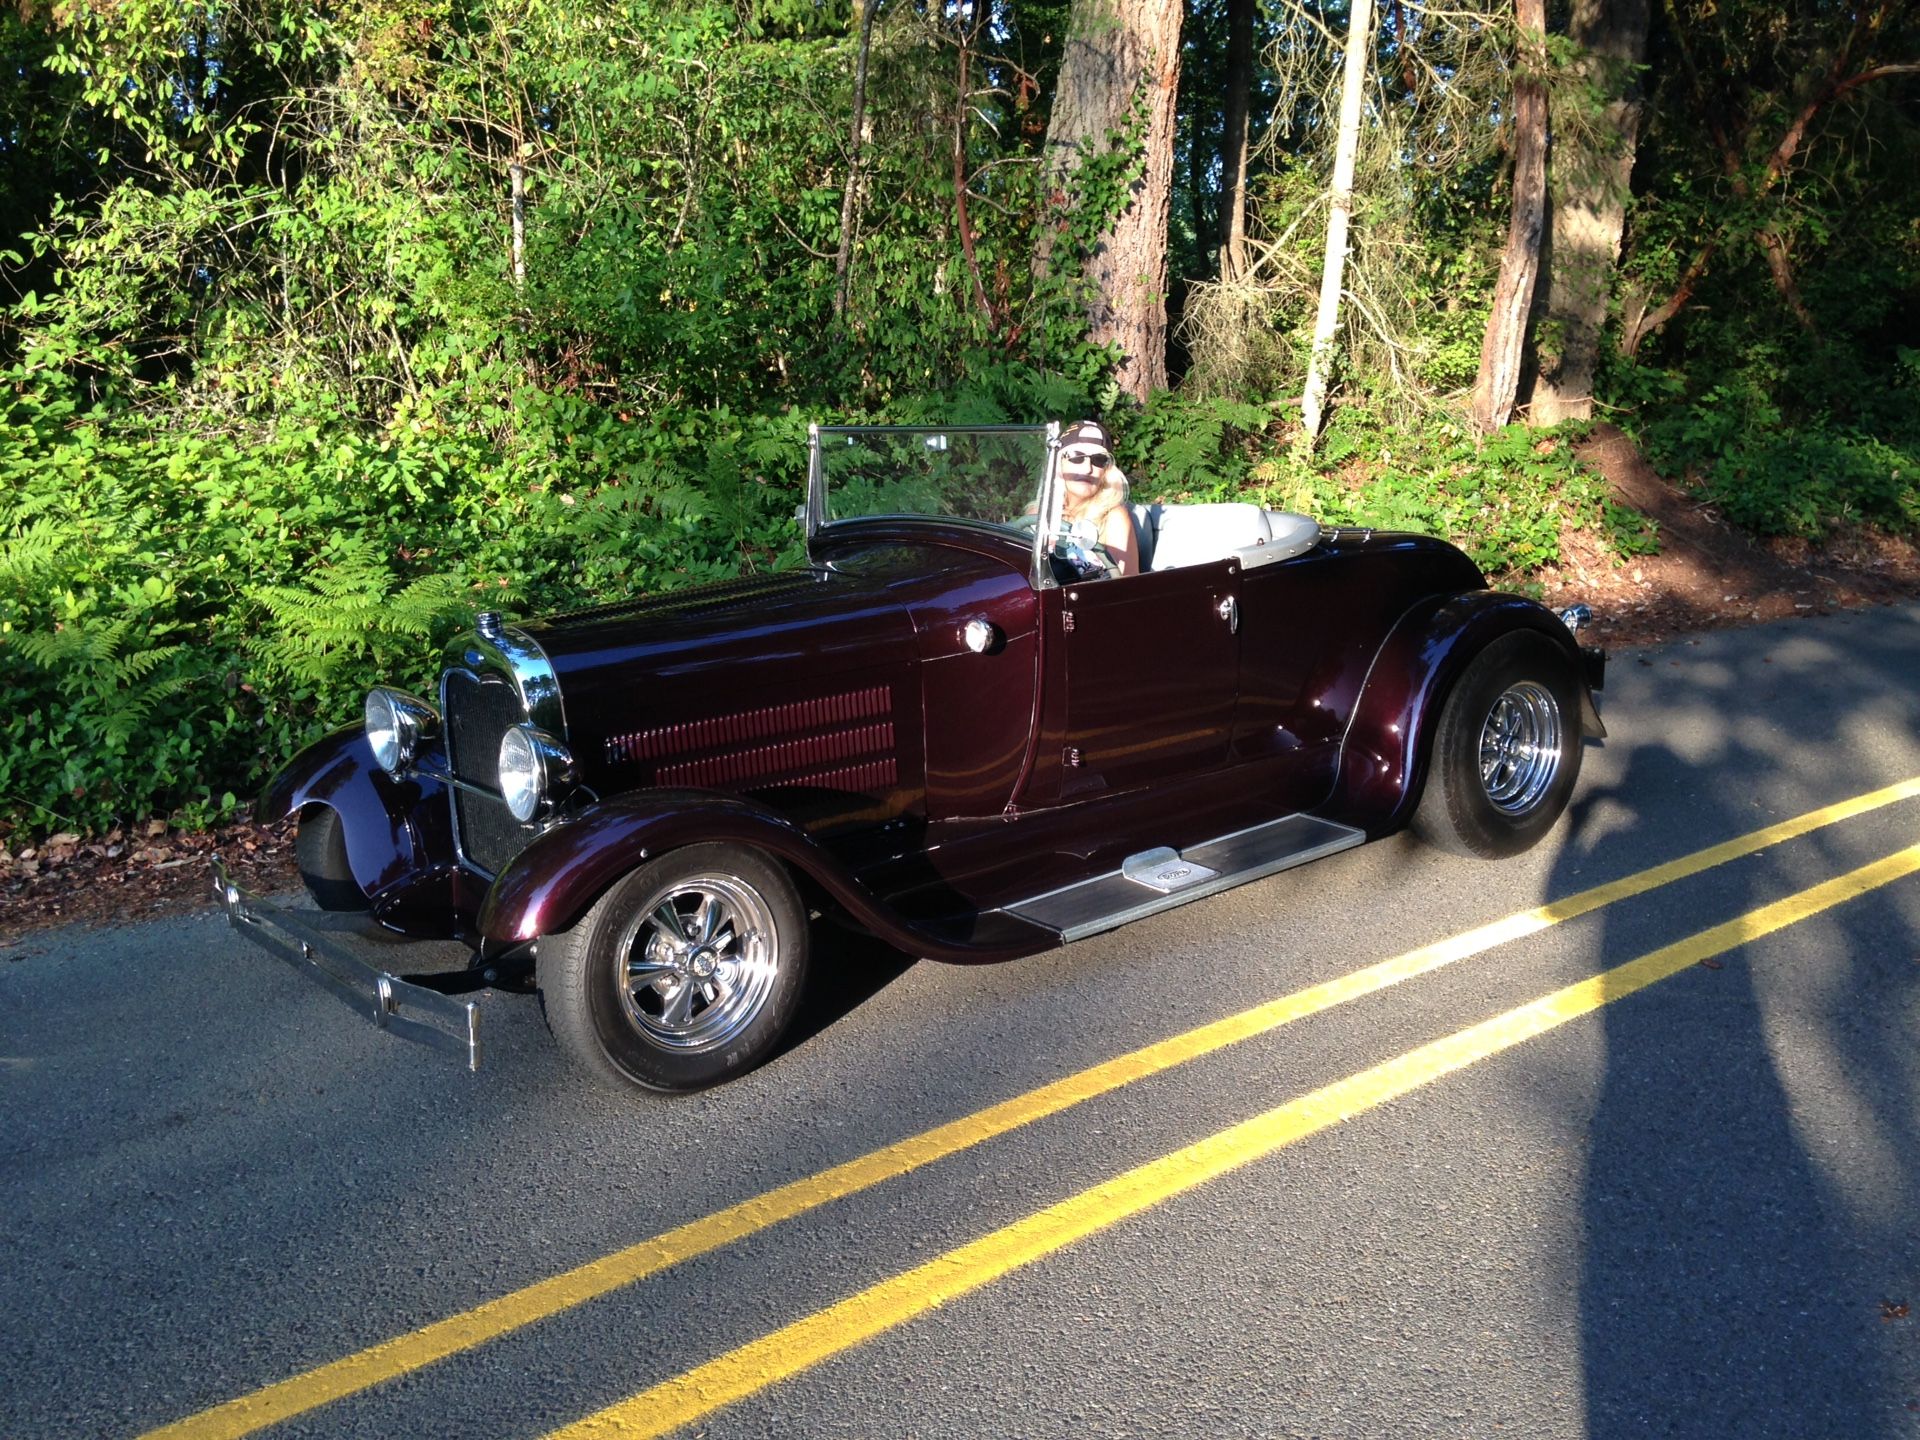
x: 1041, y: 572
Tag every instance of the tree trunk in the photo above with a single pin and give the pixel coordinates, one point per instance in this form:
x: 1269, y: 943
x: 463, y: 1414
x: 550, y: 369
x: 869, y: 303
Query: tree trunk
x: 856, y: 142
x: 1589, y: 182
x: 1114, y: 48
x: 1233, y: 141
x: 1499, y: 379
x: 1313, y: 397
x: 517, y: 185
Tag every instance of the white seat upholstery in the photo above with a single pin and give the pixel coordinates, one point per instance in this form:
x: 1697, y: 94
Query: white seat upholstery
x: 1175, y: 535
x: 1289, y: 535
x: 1195, y: 534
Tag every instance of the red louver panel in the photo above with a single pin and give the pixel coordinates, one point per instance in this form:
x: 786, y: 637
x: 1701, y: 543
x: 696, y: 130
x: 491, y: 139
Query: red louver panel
x: 842, y: 742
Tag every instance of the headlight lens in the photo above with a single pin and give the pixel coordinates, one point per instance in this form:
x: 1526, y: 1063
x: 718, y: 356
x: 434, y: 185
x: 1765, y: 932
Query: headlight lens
x: 396, y: 724
x: 523, y: 778
x: 532, y: 765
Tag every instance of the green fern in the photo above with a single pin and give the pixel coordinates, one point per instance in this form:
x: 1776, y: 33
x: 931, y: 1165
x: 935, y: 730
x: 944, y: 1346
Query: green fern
x: 111, y: 689
x: 351, y: 611
x: 35, y: 554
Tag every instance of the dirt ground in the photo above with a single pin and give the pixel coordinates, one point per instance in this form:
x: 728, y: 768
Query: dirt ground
x: 1706, y: 576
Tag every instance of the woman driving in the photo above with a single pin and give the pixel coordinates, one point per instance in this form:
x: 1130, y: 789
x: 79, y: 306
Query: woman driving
x: 1095, y: 511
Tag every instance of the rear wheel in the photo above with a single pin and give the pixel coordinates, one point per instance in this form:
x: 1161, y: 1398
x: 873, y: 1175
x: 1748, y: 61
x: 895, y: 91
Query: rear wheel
x: 320, y: 850
x: 685, y: 973
x: 1506, y: 753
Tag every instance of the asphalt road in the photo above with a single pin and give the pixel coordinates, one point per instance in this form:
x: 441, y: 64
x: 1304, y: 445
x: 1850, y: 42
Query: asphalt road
x: 1693, y: 1209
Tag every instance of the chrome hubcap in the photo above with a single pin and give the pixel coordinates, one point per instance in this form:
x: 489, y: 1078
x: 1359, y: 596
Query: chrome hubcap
x: 698, y: 963
x: 1520, y: 747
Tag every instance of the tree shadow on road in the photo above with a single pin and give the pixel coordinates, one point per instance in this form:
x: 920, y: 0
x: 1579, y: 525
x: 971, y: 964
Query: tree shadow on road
x: 1749, y: 1191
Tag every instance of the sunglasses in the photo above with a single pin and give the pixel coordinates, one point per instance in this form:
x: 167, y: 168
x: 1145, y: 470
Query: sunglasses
x: 1098, y: 458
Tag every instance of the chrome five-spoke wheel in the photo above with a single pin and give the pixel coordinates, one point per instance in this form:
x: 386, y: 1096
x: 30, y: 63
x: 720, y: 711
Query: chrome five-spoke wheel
x: 701, y: 959
x: 1520, y: 747
x: 685, y: 972
x: 1506, y: 752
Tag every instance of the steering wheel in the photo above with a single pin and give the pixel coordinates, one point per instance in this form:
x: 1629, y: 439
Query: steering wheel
x: 1081, y: 561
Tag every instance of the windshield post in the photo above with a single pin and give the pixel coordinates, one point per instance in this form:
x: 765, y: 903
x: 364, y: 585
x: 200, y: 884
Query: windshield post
x: 1048, y: 518
x: 816, y: 486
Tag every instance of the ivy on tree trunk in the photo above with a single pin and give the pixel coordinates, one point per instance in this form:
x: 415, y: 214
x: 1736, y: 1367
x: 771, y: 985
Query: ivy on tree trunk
x: 1117, y: 51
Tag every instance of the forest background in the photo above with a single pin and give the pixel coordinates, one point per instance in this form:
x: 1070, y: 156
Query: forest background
x: 327, y: 326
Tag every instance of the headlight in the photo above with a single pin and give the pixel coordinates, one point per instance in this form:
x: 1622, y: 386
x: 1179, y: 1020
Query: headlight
x: 532, y: 762
x: 396, y: 724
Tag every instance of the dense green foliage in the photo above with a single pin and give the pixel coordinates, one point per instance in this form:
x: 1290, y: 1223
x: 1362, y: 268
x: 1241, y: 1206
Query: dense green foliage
x: 289, y: 395
x: 1792, y: 398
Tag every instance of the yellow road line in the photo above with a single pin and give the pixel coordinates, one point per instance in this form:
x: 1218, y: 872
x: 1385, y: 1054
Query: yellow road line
x: 805, y: 1343
x: 543, y: 1299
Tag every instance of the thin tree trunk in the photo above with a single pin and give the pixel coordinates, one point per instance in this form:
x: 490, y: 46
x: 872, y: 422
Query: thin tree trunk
x: 961, y: 218
x: 1233, y: 141
x: 1333, y: 268
x: 517, y: 180
x: 1590, y: 183
x: 1115, y: 48
x: 843, y: 261
x: 1500, y: 353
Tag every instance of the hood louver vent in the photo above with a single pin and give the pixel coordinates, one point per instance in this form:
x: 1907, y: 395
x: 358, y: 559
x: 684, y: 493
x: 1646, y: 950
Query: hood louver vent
x: 841, y: 742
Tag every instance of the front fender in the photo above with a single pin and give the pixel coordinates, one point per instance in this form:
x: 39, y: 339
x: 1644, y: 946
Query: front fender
x: 549, y: 885
x: 1383, y: 759
x: 396, y: 830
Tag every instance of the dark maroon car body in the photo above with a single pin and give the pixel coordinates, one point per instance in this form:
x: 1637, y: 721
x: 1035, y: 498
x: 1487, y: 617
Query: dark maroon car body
x: 836, y: 718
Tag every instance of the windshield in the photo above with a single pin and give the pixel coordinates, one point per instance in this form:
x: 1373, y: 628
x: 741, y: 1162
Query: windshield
x: 981, y: 475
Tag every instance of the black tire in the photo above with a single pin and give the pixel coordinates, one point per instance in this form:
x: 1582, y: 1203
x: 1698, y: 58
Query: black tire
x: 635, y: 1001
x: 320, y: 849
x: 1530, y: 748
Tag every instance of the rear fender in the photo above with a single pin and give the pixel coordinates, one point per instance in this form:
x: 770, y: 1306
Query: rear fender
x: 549, y: 885
x: 396, y: 830
x: 1384, y: 758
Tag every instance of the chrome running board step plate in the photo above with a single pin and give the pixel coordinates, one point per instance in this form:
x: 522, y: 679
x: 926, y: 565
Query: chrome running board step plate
x: 1156, y: 880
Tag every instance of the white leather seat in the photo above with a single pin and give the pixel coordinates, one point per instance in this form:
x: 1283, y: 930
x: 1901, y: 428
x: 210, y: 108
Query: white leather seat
x: 1175, y: 535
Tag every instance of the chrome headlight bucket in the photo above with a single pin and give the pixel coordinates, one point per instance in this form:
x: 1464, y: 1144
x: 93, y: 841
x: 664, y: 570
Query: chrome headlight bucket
x: 397, y: 723
x: 532, y: 766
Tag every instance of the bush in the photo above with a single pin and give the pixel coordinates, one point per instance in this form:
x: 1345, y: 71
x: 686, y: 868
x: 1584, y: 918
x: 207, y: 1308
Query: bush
x: 1776, y: 478
x: 179, y: 612
x: 1503, y: 502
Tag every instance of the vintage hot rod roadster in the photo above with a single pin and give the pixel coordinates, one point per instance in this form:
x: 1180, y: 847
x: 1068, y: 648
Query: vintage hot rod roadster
x: 956, y: 729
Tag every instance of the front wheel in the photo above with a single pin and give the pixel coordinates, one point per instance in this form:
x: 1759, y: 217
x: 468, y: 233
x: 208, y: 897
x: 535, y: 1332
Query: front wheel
x: 685, y: 973
x: 320, y: 850
x: 1506, y: 753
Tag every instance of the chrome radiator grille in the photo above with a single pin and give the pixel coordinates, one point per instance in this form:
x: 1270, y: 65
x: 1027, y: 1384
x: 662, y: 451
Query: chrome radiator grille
x: 479, y: 709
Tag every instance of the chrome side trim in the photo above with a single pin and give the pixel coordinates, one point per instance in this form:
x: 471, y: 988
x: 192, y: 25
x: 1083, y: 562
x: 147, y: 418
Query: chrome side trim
x: 410, y: 1011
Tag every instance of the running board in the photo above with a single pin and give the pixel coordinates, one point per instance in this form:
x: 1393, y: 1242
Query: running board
x: 1156, y: 880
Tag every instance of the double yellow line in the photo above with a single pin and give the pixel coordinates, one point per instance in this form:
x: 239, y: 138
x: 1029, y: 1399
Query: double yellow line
x: 798, y: 1346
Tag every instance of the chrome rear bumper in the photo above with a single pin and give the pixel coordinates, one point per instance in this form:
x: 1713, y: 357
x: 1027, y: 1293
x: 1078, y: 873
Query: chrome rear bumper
x: 408, y: 1010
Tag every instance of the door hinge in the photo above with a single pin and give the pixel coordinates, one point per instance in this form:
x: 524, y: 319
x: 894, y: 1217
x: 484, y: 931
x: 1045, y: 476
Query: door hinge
x: 1070, y: 757
x: 1066, y: 622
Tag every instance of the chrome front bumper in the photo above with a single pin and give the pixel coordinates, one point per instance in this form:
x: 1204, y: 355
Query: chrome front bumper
x: 409, y: 1010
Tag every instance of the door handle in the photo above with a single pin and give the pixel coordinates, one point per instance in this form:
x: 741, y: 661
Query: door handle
x: 1229, y: 611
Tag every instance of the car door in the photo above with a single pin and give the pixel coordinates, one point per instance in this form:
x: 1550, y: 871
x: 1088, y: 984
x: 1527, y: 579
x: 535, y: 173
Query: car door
x: 1149, y: 667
